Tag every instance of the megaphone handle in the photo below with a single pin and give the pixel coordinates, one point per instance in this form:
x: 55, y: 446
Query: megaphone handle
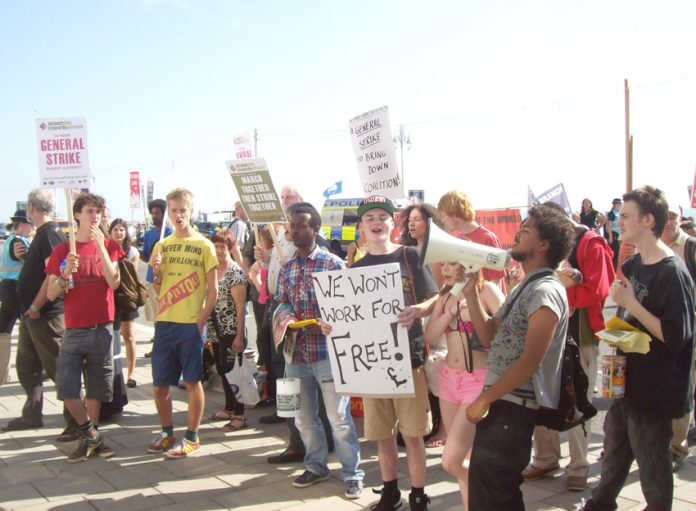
x: 457, y: 288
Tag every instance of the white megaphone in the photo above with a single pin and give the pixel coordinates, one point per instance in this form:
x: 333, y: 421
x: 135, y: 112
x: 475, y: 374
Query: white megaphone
x: 439, y: 247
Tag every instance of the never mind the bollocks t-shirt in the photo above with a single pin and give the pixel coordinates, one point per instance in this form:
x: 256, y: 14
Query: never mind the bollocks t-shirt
x: 185, y: 263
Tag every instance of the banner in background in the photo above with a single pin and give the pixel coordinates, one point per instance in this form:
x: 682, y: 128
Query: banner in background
x: 556, y: 194
x: 135, y: 190
x: 369, y: 352
x: 63, y: 156
x: 503, y: 222
x: 150, y: 191
x: 373, y: 147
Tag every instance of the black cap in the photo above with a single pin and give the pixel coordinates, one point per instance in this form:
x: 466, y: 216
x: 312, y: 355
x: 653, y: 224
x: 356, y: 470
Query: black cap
x: 617, y: 201
x: 20, y: 216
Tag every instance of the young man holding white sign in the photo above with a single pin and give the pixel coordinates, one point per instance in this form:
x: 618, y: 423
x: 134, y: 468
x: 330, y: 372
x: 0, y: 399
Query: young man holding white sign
x: 310, y: 359
x: 411, y: 415
x: 86, y: 278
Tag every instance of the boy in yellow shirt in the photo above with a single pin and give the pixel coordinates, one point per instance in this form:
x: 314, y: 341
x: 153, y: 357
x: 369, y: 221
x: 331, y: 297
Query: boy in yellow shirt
x: 186, y: 283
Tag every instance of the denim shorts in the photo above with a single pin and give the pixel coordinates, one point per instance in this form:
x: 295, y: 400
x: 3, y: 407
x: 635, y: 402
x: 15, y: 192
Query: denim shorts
x: 177, y: 351
x: 88, y: 350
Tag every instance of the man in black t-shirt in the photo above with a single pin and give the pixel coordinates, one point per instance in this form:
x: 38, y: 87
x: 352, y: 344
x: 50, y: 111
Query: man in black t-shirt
x: 411, y: 415
x: 41, y: 327
x: 656, y: 296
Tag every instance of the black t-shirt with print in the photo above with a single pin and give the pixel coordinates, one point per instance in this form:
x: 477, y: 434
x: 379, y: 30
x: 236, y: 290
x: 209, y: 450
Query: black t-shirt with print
x: 659, y: 381
x: 422, y: 287
x: 33, y: 271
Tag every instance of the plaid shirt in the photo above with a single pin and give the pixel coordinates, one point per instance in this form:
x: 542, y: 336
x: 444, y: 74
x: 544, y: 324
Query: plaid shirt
x: 296, y: 292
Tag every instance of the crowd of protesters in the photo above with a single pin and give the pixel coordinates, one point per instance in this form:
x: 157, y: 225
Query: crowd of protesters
x: 504, y: 337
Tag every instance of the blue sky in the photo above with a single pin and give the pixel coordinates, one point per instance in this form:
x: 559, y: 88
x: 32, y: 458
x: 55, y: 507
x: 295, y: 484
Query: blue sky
x: 495, y: 95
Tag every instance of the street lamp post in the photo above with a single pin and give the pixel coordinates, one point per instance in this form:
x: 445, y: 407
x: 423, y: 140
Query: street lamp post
x: 402, y: 139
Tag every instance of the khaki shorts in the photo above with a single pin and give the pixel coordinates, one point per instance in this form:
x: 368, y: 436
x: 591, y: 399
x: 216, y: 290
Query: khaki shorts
x: 151, y: 303
x: 412, y: 415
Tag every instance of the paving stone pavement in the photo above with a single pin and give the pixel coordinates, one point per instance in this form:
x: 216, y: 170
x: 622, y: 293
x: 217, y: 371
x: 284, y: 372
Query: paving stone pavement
x: 231, y: 471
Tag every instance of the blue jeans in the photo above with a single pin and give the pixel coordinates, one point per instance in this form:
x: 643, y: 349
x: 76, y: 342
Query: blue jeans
x: 502, y: 448
x: 312, y: 377
x: 630, y: 434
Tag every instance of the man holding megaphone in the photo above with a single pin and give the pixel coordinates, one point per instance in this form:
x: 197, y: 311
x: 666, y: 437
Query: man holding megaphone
x: 527, y: 336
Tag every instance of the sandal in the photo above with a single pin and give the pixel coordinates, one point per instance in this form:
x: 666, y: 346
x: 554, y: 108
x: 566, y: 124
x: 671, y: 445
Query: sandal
x: 224, y: 415
x: 235, y: 424
x: 435, y: 442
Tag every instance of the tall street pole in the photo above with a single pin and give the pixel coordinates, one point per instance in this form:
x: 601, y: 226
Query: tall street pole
x: 402, y: 139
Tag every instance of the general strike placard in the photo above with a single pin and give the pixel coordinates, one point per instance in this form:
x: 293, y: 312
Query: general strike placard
x: 63, y: 157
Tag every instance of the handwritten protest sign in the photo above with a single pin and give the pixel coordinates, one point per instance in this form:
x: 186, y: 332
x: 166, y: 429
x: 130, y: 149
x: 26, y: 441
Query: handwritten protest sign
x: 368, y: 350
x: 374, y: 153
x: 256, y: 191
x: 63, y: 158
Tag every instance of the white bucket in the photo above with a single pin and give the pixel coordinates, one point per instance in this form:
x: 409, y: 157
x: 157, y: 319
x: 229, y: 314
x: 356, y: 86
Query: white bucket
x: 288, y: 397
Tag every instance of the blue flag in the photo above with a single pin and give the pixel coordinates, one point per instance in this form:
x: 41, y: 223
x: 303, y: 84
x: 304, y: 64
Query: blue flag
x: 334, y: 189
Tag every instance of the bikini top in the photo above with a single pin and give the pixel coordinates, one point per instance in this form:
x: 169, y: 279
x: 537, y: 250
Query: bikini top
x: 462, y: 326
x: 466, y: 328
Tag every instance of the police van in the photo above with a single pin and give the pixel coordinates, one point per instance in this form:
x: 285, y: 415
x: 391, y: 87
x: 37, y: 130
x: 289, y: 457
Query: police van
x: 338, y: 220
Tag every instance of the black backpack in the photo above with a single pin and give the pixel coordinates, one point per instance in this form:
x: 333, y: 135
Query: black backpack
x: 131, y: 293
x: 573, y: 406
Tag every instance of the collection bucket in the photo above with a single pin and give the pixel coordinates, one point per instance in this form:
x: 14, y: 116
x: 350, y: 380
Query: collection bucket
x: 288, y: 397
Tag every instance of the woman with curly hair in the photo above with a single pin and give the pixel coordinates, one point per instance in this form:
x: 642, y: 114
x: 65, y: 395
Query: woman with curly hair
x: 415, y: 222
x: 227, y: 319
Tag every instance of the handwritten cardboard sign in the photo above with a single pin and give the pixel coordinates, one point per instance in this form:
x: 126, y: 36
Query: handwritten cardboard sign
x: 368, y: 350
x: 256, y: 191
x: 63, y: 156
x: 374, y: 153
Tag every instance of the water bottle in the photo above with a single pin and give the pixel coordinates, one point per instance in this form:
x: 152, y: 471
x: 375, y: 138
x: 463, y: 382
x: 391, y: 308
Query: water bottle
x: 71, y: 282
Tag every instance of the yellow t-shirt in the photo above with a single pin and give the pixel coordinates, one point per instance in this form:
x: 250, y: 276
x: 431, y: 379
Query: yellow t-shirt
x: 185, y: 264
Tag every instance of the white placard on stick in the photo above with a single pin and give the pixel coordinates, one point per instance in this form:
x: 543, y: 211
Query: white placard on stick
x: 256, y: 192
x: 63, y: 157
x: 242, y: 146
x: 368, y: 350
x: 373, y: 148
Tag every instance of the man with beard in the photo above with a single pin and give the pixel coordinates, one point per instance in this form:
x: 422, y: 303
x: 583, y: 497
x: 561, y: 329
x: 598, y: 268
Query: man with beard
x: 527, y: 336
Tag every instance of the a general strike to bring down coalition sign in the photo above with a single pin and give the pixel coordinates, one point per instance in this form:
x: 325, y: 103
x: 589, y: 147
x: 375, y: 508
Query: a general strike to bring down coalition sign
x: 368, y: 350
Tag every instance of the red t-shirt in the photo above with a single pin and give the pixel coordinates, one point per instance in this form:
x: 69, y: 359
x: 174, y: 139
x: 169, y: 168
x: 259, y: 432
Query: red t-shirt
x: 91, y: 301
x: 483, y: 236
